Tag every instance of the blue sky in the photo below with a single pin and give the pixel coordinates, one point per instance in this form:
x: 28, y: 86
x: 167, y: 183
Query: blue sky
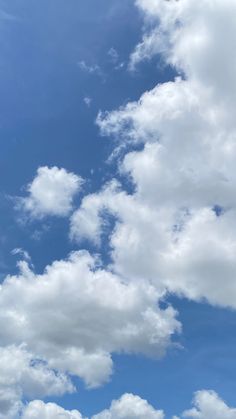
x: 44, y: 118
x: 145, y: 319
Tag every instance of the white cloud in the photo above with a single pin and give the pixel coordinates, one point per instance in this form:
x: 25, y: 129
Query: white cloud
x: 167, y: 230
x: 167, y: 235
x: 88, y: 220
x: 165, y: 245
x: 87, y: 101
x: 156, y: 37
x: 113, y: 55
x: 39, y: 410
x: 189, y: 35
x: 208, y: 405
x: 130, y: 406
x: 23, y: 375
x: 21, y: 253
x: 152, y: 44
x: 90, y: 69
x: 20, y: 369
x: 75, y: 315
x: 51, y: 192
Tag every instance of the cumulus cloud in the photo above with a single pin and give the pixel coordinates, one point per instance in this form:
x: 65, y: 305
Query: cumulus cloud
x: 76, y: 314
x: 22, y: 375
x: 51, y: 193
x: 177, y: 228
x: 165, y: 245
x: 88, y: 220
x: 208, y: 405
x: 189, y: 36
x: 130, y: 407
x: 174, y: 234
x: 69, y: 321
x: 40, y: 410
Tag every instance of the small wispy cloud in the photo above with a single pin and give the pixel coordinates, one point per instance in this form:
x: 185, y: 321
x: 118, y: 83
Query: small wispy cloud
x: 91, y: 69
x: 113, y: 55
x: 18, y: 251
x: 87, y: 101
x: 115, y: 58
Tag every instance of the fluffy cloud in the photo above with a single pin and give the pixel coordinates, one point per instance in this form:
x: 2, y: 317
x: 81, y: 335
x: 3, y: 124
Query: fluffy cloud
x: 174, y: 234
x: 181, y: 250
x: 39, y: 410
x: 87, y: 222
x: 130, y: 407
x: 76, y: 314
x: 177, y: 228
x: 189, y: 35
x: 51, y: 193
x: 23, y: 375
x: 208, y: 405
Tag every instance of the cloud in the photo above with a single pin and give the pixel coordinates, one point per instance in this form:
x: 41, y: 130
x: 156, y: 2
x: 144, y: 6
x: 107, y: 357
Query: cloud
x: 40, y: 410
x: 10, y: 404
x: 169, y: 230
x: 113, y: 55
x: 88, y: 220
x: 90, y: 69
x: 152, y: 44
x: 164, y: 245
x: 161, y: 20
x: 208, y: 405
x: 128, y: 406
x: 132, y: 407
x: 76, y: 314
x: 173, y: 234
x: 189, y: 36
x: 50, y: 193
x: 21, y: 375
x: 87, y: 101
x: 21, y: 253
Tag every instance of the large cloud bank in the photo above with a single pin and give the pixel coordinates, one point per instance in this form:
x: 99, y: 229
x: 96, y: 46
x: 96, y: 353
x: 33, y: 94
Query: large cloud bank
x: 178, y: 228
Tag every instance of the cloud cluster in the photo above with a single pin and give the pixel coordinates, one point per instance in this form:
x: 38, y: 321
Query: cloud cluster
x: 72, y: 318
x: 207, y: 405
x: 182, y: 235
x: 51, y: 193
x: 174, y: 234
x: 23, y: 375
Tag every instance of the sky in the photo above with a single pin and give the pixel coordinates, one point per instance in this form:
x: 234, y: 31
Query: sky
x: 117, y: 210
